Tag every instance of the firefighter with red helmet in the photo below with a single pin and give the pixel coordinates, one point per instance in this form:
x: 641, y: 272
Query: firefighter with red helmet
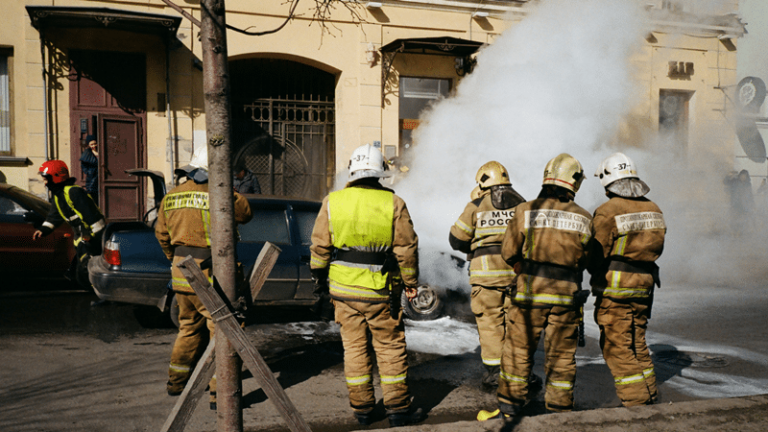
x: 72, y: 204
x: 478, y: 233
x: 364, y: 249
x: 630, y: 231
x: 547, y: 242
x: 183, y: 229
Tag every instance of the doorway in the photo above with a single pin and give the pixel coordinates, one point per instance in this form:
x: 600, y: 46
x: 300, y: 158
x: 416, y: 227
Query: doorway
x: 108, y: 100
x: 284, y: 126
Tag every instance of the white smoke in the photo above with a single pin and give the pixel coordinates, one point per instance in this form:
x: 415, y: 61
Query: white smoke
x: 562, y: 81
x: 559, y: 81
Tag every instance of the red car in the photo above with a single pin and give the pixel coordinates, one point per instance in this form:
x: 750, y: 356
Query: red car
x: 20, y: 214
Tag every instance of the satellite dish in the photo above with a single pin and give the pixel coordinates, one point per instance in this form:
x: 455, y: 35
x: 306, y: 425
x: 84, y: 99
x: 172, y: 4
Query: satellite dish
x: 750, y: 94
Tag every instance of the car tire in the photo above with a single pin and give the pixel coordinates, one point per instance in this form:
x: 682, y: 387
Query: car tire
x: 173, y: 312
x: 426, y: 306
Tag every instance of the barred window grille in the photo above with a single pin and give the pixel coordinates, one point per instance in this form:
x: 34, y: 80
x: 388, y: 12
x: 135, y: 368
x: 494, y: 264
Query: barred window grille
x: 5, y: 107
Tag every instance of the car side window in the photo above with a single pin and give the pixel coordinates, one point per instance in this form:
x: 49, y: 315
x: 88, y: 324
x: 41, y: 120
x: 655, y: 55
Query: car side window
x: 305, y: 220
x: 267, y: 225
x: 10, y: 207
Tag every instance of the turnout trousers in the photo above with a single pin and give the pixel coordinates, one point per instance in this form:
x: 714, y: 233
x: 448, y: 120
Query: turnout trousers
x: 524, y: 327
x: 195, y: 331
x: 490, y: 305
x: 622, y: 339
x: 367, y: 329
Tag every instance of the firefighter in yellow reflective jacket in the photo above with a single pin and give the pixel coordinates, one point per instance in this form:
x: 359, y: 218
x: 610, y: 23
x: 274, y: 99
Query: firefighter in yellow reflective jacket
x: 72, y: 204
x: 478, y: 232
x: 630, y: 230
x: 183, y: 229
x: 547, y: 242
x: 363, y: 241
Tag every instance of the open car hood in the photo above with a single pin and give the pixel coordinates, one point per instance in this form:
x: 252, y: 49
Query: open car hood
x: 158, y: 181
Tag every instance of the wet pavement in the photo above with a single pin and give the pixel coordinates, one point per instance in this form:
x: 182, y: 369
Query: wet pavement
x: 72, y: 364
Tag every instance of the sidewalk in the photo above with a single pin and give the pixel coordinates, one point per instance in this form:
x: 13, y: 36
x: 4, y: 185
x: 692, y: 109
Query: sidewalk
x: 745, y: 414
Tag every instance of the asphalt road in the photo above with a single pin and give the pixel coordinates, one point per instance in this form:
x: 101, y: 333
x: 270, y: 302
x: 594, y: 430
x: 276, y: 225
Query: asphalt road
x: 69, y: 365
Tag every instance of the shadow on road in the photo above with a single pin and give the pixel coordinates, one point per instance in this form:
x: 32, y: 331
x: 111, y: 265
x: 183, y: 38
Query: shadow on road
x: 668, y: 362
x: 297, y: 365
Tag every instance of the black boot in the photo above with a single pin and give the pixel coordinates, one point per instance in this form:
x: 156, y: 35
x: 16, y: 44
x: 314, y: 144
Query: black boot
x: 364, y: 418
x: 491, y: 376
x: 404, y: 417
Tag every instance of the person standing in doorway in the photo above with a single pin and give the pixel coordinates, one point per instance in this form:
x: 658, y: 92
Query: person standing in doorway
x: 89, y: 165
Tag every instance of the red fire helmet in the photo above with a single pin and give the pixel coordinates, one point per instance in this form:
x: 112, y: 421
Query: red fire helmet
x: 56, y: 169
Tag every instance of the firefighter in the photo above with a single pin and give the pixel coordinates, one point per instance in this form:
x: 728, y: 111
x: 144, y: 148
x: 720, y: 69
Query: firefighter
x: 364, y: 249
x: 71, y: 203
x: 629, y: 230
x: 183, y: 229
x: 547, y: 243
x: 478, y: 233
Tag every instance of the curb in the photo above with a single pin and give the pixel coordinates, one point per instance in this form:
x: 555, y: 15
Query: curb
x: 742, y: 414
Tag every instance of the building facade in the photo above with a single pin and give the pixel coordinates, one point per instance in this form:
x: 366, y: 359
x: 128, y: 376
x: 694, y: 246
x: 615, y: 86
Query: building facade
x: 303, y: 97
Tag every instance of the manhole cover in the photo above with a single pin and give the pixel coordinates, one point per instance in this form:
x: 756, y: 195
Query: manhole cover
x: 690, y: 359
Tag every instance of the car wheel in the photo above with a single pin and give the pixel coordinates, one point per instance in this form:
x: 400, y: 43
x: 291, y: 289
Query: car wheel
x: 173, y: 312
x: 427, y: 305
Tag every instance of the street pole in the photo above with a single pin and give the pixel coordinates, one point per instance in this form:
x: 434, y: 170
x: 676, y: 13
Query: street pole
x: 216, y: 87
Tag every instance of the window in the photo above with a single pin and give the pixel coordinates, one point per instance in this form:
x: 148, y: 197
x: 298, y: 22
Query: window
x: 266, y: 226
x: 673, y: 117
x: 5, y: 102
x: 416, y: 94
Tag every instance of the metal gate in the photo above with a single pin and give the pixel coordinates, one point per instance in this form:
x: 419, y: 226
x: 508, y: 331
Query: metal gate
x: 289, y: 146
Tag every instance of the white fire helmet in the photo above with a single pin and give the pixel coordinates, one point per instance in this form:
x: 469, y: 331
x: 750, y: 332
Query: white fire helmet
x: 615, y: 167
x: 367, y: 161
x: 197, y: 169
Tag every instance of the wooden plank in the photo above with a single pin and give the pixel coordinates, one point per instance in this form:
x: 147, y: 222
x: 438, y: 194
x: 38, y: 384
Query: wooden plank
x: 261, y: 268
x: 194, y: 389
x: 227, y: 323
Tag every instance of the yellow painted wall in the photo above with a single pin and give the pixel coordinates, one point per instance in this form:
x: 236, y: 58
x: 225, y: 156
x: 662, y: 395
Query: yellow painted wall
x: 341, y: 50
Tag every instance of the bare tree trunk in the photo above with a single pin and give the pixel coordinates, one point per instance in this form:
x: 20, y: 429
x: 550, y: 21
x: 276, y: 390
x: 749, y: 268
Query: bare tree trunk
x: 217, y: 121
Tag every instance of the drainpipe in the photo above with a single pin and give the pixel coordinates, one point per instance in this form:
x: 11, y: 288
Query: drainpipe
x: 45, y: 95
x: 171, y: 139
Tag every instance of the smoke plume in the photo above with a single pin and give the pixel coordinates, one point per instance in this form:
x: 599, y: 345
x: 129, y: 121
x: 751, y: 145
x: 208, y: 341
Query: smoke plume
x: 561, y: 80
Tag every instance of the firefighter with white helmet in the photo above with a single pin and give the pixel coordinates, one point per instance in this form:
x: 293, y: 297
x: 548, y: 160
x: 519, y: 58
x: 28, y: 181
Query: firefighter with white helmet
x: 183, y: 229
x: 72, y: 204
x: 547, y: 242
x: 364, y: 249
x: 478, y: 233
x: 630, y: 230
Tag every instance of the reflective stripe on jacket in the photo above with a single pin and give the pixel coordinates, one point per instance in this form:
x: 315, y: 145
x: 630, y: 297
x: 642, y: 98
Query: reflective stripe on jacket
x: 484, y: 225
x: 360, y: 220
x: 631, y: 231
x: 184, y: 219
x: 363, y: 217
x: 553, y: 237
x: 73, y: 205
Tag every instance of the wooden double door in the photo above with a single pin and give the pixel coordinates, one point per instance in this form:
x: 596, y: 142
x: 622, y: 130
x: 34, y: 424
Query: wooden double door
x: 108, y: 100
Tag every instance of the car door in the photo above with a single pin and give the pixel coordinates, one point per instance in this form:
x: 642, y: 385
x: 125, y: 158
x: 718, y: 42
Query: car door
x: 303, y: 216
x: 49, y: 255
x: 270, y: 224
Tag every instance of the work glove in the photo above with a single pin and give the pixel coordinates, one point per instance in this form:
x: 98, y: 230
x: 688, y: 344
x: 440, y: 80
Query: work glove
x: 323, y: 306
